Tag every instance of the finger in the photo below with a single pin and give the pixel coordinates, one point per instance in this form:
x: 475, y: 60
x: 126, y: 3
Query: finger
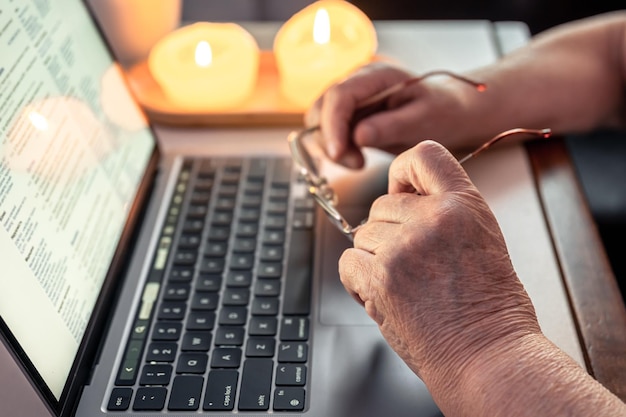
x: 392, y: 130
x: 356, y: 271
x: 336, y: 109
x: 427, y: 168
x: 393, y: 208
x: 375, y: 234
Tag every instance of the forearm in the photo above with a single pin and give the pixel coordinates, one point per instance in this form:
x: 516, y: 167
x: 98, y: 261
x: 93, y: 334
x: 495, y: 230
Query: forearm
x: 571, y: 79
x: 531, y: 377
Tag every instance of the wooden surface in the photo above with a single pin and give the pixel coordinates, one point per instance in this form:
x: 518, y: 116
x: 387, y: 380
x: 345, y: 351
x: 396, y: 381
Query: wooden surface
x: 595, y: 297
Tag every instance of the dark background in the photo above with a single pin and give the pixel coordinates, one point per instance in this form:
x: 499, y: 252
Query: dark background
x: 538, y: 14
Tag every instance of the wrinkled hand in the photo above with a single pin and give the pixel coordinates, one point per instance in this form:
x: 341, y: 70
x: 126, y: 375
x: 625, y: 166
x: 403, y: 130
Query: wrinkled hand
x: 432, y: 269
x: 428, y: 109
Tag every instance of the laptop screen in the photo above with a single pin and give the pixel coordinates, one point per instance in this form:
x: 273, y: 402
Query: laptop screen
x: 73, y: 150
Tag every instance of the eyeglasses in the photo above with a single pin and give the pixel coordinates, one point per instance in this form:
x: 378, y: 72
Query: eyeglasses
x: 318, y: 185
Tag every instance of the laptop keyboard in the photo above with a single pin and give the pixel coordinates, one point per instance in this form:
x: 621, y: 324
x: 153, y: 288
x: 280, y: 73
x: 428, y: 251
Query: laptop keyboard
x: 223, y: 324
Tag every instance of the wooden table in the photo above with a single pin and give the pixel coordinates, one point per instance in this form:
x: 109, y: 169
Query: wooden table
x: 593, y: 292
x: 597, y: 304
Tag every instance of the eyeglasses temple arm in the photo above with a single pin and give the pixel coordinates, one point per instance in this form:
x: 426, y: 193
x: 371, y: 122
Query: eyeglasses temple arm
x: 544, y: 133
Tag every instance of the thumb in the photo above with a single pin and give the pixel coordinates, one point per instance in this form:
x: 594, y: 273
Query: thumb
x: 427, y: 168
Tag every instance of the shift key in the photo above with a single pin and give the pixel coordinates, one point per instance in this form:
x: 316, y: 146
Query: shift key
x: 256, y: 382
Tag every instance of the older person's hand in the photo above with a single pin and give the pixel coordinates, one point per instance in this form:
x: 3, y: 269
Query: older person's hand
x: 419, y: 110
x: 432, y: 269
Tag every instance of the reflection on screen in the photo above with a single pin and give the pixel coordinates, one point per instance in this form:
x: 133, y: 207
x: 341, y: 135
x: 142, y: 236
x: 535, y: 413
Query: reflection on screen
x: 73, y: 148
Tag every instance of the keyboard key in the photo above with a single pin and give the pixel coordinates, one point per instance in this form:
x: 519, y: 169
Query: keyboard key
x: 276, y: 221
x: 196, y: 341
x: 244, y: 245
x: 212, y: 265
x: 241, y: 261
x: 271, y: 253
x: 262, y: 326
x: 209, y: 282
x: 267, y: 288
x: 162, y: 352
x: 236, y: 297
x: 273, y: 237
x: 291, y: 374
x: 294, y: 328
x: 260, y: 347
x: 233, y: 316
x: 226, y: 358
x: 204, y: 301
x: 249, y: 214
x: 192, y: 363
x: 150, y: 399
x: 197, y: 211
x: 221, y: 389
x: 238, y: 278
x: 247, y: 230
x: 270, y: 270
x: 289, y: 399
x: 158, y: 374
x: 190, y: 241
x: 229, y: 336
x: 222, y: 218
x: 186, y: 391
x: 215, y: 249
x: 201, y: 320
x: 166, y: 331
x: 176, y: 292
x: 264, y: 306
x: 181, y: 274
x: 256, y: 382
x: 293, y: 352
x: 172, y: 310
x: 120, y: 399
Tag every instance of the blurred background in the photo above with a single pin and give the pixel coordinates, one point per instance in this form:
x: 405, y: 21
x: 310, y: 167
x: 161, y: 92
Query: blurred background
x: 599, y: 157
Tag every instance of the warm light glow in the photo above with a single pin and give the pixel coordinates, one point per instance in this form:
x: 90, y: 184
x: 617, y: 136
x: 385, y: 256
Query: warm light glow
x: 321, y: 27
x: 204, y: 54
x: 206, y: 66
x: 38, y: 121
x: 308, y: 65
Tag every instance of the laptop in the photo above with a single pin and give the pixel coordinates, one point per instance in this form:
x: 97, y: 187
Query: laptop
x: 138, y: 282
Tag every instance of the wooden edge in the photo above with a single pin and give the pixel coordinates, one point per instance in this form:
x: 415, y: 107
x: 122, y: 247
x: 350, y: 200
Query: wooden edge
x: 594, y: 295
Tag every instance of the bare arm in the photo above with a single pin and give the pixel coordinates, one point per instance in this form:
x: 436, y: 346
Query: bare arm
x: 571, y: 78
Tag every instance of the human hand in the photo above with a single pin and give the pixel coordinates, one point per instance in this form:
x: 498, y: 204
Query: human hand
x: 418, y: 110
x: 432, y: 269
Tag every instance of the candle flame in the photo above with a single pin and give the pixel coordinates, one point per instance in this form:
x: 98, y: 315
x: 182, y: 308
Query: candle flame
x: 204, y: 54
x: 38, y: 121
x: 321, y: 27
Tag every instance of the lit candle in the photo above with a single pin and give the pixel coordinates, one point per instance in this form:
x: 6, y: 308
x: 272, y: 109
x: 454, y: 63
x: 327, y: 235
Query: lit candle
x: 319, y: 45
x: 206, y: 66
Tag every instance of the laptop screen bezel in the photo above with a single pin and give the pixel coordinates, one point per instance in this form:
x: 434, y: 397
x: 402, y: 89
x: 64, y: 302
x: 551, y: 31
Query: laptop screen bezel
x: 88, y: 349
